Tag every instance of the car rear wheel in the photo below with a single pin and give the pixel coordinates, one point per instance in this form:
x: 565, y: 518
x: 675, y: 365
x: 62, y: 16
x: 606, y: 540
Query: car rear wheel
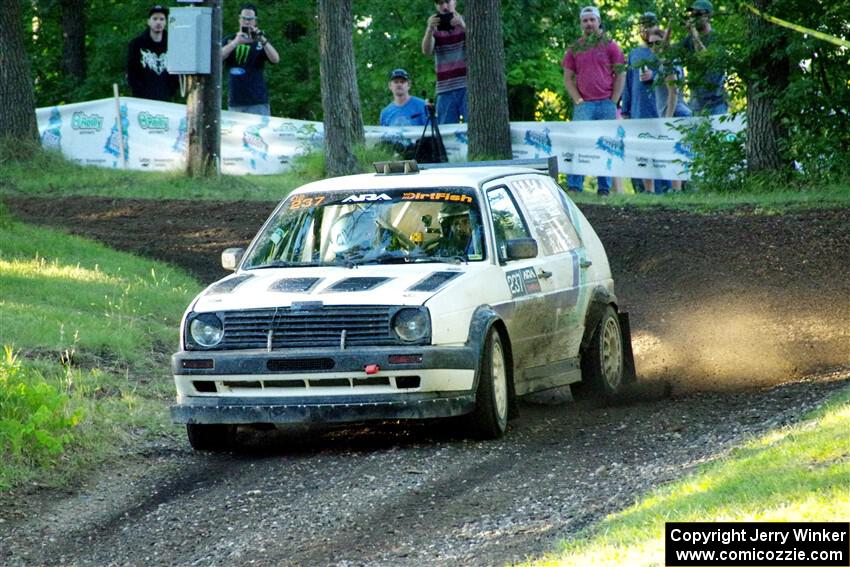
x: 211, y: 437
x: 490, y: 417
x: 602, y: 364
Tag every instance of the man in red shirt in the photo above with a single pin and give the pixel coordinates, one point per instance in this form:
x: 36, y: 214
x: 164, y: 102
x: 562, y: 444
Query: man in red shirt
x: 594, y: 76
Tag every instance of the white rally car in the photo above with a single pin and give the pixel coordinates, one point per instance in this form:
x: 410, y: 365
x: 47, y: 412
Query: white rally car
x: 411, y: 295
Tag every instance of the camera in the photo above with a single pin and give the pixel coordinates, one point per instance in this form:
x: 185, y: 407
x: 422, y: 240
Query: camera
x: 445, y: 21
x: 253, y: 33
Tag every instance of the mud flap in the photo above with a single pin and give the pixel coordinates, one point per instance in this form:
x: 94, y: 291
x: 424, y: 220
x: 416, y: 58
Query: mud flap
x: 629, y: 372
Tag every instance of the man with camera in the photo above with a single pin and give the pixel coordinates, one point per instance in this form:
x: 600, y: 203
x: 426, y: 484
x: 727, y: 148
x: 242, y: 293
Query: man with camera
x: 245, y: 55
x: 708, y: 95
x: 445, y: 38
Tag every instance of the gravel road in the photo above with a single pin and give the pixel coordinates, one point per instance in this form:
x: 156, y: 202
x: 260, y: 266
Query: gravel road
x: 391, y: 496
x: 732, y: 315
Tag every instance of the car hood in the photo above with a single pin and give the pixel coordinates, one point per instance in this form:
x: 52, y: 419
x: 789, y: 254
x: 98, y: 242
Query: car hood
x: 393, y: 284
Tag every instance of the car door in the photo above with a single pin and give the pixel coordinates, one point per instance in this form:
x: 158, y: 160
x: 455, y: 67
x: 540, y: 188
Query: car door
x: 525, y: 313
x: 562, y: 259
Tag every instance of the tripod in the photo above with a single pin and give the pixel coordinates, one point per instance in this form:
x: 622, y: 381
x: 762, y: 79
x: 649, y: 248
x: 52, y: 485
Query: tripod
x: 429, y: 148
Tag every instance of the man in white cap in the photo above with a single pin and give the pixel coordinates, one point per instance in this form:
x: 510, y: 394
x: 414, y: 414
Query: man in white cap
x: 404, y: 110
x: 594, y: 77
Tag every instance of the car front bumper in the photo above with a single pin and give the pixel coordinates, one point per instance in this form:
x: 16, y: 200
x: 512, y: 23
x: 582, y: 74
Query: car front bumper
x: 322, y: 385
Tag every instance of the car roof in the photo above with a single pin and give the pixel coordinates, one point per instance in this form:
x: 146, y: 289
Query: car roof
x: 425, y: 178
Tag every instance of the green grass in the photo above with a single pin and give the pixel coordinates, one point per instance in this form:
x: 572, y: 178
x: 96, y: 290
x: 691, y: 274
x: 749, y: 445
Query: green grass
x: 797, y: 473
x: 87, y: 332
x: 778, y: 200
x: 48, y: 174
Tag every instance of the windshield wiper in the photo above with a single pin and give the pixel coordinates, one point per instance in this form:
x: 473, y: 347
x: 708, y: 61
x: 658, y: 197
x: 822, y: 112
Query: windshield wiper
x: 283, y: 264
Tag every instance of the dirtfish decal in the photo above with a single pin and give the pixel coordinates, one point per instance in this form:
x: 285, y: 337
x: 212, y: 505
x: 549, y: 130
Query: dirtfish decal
x: 113, y: 144
x: 253, y: 143
x: 180, y: 143
x: 153, y: 122
x: 539, y: 140
x: 86, y: 123
x: 51, y: 138
x: 614, y: 147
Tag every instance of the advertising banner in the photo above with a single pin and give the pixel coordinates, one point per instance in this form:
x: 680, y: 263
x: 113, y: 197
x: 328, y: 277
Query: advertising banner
x: 155, y: 139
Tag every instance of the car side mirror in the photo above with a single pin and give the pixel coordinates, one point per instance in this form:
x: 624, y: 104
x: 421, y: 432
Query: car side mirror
x: 231, y: 257
x: 521, y: 248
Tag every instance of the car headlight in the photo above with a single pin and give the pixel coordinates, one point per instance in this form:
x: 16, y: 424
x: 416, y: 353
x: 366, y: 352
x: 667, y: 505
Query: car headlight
x: 206, y: 329
x: 411, y: 324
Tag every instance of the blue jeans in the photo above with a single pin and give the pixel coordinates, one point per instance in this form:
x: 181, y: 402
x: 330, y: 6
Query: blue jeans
x: 593, y: 110
x: 451, y: 105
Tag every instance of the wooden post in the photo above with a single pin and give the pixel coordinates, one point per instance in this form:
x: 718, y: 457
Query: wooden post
x: 203, y: 108
x: 119, y: 124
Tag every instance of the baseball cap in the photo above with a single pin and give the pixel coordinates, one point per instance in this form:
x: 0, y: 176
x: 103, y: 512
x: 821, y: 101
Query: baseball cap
x: 702, y: 6
x: 158, y: 8
x: 590, y: 11
x: 399, y: 74
x: 648, y: 19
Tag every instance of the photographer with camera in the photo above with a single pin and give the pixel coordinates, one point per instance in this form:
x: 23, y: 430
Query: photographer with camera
x: 245, y: 55
x: 445, y: 38
x: 708, y: 95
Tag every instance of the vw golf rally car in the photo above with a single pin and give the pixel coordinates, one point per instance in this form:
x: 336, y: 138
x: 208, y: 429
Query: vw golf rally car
x: 407, y: 294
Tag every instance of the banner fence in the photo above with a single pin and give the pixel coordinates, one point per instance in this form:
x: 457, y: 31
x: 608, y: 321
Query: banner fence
x: 155, y: 139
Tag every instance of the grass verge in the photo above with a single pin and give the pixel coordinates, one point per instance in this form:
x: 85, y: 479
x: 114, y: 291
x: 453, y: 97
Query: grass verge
x: 86, y: 333
x: 48, y: 174
x: 797, y: 473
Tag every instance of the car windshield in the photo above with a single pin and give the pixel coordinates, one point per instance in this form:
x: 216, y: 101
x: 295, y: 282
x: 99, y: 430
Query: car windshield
x: 363, y: 227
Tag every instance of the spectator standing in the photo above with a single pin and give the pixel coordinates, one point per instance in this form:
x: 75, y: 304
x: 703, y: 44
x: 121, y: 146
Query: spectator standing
x: 445, y: 38
x: 638, y: 94
x: 708, y: 95
x: 245, y: 55
x: 404, y: 110
x: 593, y: 81
x: 147, y: 60
x: 669, y: 102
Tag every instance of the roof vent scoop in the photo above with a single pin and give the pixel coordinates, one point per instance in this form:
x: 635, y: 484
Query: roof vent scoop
x: 396, y: 167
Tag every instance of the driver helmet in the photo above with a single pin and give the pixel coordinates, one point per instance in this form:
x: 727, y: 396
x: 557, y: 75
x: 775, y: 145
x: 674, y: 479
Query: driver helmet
x: 352, y: 232
x: 450, y: 211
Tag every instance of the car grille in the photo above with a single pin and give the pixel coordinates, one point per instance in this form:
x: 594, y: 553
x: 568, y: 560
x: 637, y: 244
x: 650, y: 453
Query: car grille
x: 363, y: 325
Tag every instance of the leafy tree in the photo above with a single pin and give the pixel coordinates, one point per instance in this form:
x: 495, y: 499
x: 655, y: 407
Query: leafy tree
x: 340, y: 99
x: 489, y: 126
x: 17, y: 111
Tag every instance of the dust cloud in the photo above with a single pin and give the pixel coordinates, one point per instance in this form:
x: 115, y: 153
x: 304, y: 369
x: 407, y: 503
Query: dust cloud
x: 735, y: 344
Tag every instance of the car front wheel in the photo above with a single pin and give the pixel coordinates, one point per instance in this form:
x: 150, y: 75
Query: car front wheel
x: 602, y: 363
x: 490, y: 417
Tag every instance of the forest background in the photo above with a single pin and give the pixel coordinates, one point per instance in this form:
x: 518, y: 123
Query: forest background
x: 792, y: 86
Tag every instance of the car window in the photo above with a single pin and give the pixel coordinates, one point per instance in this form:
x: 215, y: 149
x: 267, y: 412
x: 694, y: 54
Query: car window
x: 363, y: 227
x: 507, y: 220
x: 555, y: 233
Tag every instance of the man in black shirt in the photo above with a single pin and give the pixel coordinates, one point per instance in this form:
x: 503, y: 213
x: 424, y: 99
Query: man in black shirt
x: 147, y: 60
x: 245, y: 55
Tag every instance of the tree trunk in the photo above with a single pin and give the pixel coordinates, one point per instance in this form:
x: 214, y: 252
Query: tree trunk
x: 340, y: 99
x: 203, y: 108
x: 489, y: 122
x: 17, y: 110
x: 770, y: 77
x: 73, y: 19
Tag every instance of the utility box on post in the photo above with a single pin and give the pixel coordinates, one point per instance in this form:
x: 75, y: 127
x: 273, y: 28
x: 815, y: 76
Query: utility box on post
x: 189, y: 41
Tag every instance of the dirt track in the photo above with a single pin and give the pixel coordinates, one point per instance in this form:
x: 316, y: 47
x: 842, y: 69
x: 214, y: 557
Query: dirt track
x: 728, y: 312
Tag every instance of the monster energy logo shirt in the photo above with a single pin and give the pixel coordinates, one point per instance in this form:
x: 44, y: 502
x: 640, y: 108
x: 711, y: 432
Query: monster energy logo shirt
x: 245, y: 74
